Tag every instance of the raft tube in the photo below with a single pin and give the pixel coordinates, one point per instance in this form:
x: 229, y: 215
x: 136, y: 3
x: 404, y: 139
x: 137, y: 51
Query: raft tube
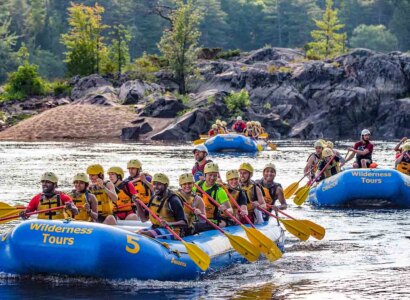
x: 232, y: 143
x: 363, y: 187
x: 97, y: 250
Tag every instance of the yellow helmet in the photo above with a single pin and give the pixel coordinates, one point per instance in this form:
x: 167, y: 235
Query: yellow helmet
x: 95, y: 169
x: 134, y: 163
x: 81, y: 177
x: 327, y: 152
x: 269, y: 165
x: 406, y: 146
x: 218, y: 122
x: 214, y: 126
x: 330, y: 144
x: 116, y: 170
x: 211, y: 168
x: 223, y: 123
x: 257, y: 123
x: 231, y: 174
x: 246, y: 166
x: 253, y: 123
x: 248, y: 123
x: 49, y: 176
x: 161, y: 178
x: 318, y: 144
x: 186, y: 178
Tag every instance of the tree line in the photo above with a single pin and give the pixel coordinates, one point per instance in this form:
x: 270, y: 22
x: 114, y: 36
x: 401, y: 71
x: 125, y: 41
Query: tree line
x: 65, y: 38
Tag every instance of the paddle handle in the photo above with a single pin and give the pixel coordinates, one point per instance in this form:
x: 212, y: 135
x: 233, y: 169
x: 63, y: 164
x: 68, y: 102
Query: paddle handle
x: 239, y: 208
x: 205, y: 218
x: 218, y: 205
x: 33, y: 213
x: 310, y: 183
x: 158, y: 219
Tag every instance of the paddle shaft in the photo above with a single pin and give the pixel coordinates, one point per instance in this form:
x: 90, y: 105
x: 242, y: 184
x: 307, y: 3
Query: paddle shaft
x: 310, y: 183
x: 239, y: 208
x: 158, y: 219
x: 34, y: 213
x: 206, y: 219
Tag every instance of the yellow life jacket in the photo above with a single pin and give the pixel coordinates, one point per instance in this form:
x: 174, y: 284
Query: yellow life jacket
x: 332, y: 166
x: 404, y: 168
x: 143, y: 191
x: 52, y: 202
x: 160, y: 207
x: 251, y: 194
x: 105, y: 205
x: 235, y: 194
x: 124, y: 198
x: 189, y: 200
x: 211, y: 209
x: 79, y: 200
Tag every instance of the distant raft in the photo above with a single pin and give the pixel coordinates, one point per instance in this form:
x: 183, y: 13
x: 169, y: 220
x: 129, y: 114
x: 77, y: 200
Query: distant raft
x: 233, y: 143
x: 363, y: 187
x: 97, y: 250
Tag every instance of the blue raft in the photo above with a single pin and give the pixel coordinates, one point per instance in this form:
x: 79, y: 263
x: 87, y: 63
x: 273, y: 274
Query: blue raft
x: 363, y: 187
x: 232, y: 143
x: 96, y: 250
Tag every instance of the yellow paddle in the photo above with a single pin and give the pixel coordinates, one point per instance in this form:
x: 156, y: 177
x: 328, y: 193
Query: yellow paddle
x: 294, y: 227
x: 265, y: 244
x: 204, y: 136
x: 303, y: 193
x: 5, y: 209
x: 317, y: 231
x: 198, y: 256
x: 198, y: 142
x: 6, y: 219
x: 264, y: 135
x: 241, y: 245
x: 291, y: 189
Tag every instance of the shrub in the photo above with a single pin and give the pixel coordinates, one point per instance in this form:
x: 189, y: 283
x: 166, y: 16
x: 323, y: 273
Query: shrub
x: 267, y: 105
x: 229, y: 54
x: 211, y: 100
x: 238, y: 101
x: 285, y: 70
x: 60, y: 88
x: 145, y: 66
x: 271, y: 69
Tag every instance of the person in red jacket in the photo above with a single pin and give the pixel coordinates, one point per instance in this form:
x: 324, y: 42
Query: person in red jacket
x: 239, y: 126
x: 213, y: 131
x: 50, y: 198
x: 363, y: 150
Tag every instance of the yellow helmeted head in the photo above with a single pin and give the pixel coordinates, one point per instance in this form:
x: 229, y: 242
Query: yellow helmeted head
x: 161, y: 178
x: 186, y: 178
x: 49, y: 176
x: 95, y: 169
x: 232, y: 174
x: 211, y: 168
x: 247, y: 167
x: 81, y: 177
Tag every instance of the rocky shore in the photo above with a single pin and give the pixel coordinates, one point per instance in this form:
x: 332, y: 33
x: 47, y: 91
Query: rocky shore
x: 292, y: 97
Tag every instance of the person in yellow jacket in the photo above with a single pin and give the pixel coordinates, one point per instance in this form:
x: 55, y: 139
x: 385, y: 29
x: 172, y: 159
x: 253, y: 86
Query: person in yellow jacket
x: 253, y: 192
x: 140, y: 180
x: 187, y: 195
x: 50, y: 198
x: 104, y: 191
x: 234, y: 189
x: 403, y: 161
x: 313, y: 160
x: 332, y: 169
x: 85, y: 201
x: 124, y: 207
x: 167, y: 206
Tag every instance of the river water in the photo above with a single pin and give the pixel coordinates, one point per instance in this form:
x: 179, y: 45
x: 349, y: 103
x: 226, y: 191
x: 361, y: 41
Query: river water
x: 364, y: 255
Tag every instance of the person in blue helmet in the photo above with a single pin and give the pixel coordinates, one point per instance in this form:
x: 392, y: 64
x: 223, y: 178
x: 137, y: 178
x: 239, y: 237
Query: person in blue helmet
x: 200, y: 154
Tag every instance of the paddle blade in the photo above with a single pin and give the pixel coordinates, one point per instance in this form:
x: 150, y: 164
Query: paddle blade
x: 317, y: 231
x: 244, y: 247
x: 14, y: 213
x: 263, y: 243
x: 296, y: 228
x: 290, y: 190
x: 198, y: 256
x: 259, y: 147
x: 263, y: 135
x: 198, y: 142
x: 272, y: 146
x: 301, y: 195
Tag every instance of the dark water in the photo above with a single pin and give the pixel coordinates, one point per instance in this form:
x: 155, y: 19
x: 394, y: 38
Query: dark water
x: 365, y: 253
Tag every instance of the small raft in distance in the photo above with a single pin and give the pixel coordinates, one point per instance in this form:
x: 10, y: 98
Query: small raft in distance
x: 363, y: 187
x: 97, y: 250
x: 232, y: 142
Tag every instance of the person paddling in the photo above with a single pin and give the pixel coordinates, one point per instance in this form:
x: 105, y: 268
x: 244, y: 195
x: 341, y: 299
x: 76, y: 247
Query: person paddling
x: 50, y: 198
x: 105, y: 193
x: 238, y: 194
x: 200, y: 154
x: 123, y: 208
x: 363, y: 150
x: 167, y: 206
x: 403, y: 161
x: 83, y: 199
x: 313, y: 159
x: 187, y: 195
x: 399, y: 147
x: 331, y: 169
x: 239, y: 126
x: 140, y: 180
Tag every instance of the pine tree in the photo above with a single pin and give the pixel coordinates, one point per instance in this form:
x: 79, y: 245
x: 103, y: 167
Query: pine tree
x: 327, y: 41
x: 180, y: 45
x: 86, y: 51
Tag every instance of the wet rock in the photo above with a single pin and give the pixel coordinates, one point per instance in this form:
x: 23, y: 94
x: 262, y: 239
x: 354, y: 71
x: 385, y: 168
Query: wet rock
x: 132, y: 92
x: 130, y: 133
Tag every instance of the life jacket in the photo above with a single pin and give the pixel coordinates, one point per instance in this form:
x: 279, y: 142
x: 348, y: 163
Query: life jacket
x: 238, y: 126
x: 142, y: 189
x: 52, y: 202
x: 189, y: 213
x: 160, y: 207
x: 332, y: 169
x: 235, y: 194
x: 404, y: 168
x: 313, y: 168
x: 105, y: 205
x: 124, y: 198
x: 251, y: 194
x: 269, y: 194
x: 79, y: 200
x: 211, y: 209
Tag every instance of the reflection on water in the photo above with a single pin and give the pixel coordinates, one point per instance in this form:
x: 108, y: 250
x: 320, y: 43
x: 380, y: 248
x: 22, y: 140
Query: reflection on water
x: 364, y: 254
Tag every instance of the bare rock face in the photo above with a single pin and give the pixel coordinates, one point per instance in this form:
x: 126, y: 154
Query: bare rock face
x: 93, y: 84
x: 163, y: 107
x: 132, y: 92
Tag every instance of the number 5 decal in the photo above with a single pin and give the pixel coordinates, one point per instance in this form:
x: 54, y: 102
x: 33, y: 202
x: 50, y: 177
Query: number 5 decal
x: 132, y: 246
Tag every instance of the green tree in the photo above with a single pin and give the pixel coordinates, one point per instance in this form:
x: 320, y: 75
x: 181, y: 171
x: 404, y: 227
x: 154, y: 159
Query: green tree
x: 327, y: 41
x: 119, y: 53
x: 400, y: 23
x: 180, y: 44
x: 374, y: 37
x: 86, y: 51
x: 8, y: 60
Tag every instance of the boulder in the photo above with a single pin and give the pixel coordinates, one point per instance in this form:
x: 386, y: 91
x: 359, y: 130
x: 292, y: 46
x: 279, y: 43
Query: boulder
x: 105, y: 96
x: 88, y: 85
x: 130, y: 133
x: 164, y: 107
x: 132, y: 92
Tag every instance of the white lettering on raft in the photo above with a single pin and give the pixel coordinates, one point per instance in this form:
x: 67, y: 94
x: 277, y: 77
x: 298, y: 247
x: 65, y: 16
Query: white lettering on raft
x: 372, y: 180
x: 371, y: 174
